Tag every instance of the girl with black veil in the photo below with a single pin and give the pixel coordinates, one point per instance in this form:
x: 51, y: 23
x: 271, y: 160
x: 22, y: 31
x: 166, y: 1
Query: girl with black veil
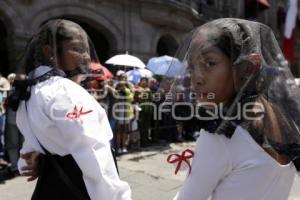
x: 249, y: 105
x: 62, y: 121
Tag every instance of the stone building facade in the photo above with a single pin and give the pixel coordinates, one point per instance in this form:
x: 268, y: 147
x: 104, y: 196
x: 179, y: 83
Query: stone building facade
x: 144, y: 28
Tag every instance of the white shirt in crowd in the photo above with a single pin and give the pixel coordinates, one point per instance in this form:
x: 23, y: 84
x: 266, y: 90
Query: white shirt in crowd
x: 235, y: 169
x: 85, y: 135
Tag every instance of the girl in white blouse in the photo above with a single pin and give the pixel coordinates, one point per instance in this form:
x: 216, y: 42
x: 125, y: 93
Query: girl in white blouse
x: 63, y: 122
x: 249, y: 147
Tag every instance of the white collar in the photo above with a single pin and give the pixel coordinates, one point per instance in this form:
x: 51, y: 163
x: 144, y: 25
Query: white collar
x: 41, y: 70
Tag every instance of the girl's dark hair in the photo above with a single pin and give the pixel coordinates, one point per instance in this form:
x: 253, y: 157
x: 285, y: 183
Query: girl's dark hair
x: 223, y: 39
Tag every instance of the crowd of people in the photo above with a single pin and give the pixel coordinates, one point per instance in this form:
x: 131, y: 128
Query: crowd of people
x: 10, y: 137
x: 137, y: 113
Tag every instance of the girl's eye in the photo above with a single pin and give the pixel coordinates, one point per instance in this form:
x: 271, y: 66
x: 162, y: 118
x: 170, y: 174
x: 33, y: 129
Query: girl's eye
x: 78, y: 49
x: 210, y: 64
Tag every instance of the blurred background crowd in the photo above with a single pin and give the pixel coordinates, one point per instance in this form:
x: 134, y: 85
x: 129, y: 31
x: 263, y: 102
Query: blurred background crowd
x: 134, y: 98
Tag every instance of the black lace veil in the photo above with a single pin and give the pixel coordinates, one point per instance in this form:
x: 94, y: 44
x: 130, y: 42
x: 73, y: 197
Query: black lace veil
x: 65, y: 48
x: 264, y: 88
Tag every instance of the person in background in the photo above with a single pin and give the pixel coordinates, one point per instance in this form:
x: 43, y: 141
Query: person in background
x: 124, y: 111
x: 143, y: 96
x: 181, y: 110
x: 111, y: 96
x: 119, y: 75
x: 4, y: 88
x: 11, y: 78
x: 13, y: 139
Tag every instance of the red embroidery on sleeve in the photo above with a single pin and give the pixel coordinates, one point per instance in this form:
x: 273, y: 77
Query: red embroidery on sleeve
x: 185, y: 156
x: 75, y: 114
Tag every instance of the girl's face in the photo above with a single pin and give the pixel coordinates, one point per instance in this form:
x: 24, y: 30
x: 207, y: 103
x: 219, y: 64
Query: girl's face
x: 75, y: 52
x: 211, y: 72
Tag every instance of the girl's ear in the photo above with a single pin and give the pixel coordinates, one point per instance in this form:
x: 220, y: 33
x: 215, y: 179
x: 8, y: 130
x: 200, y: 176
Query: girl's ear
x: 255, y: 60
x: 249, y: 66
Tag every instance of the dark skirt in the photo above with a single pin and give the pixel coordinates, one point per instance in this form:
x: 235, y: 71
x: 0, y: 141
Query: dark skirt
x: 50, y: 185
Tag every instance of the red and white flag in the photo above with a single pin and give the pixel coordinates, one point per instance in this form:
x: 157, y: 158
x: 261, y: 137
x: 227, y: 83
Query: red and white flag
x: 289, y: 31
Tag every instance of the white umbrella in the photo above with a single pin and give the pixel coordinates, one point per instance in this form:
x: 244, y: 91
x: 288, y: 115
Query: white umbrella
x: 135, y: 75
x: 145, y: 73
x: 166, y: 66
x: 126, y: 60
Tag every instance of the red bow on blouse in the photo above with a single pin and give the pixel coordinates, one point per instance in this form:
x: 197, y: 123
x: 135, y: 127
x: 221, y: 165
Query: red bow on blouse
x: 185, y: 156
x: 75, y: 114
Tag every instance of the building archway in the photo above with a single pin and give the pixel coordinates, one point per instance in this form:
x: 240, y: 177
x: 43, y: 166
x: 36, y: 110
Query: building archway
x: 166, y: 45
x: 100, y: 42
x: 81, y: 13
